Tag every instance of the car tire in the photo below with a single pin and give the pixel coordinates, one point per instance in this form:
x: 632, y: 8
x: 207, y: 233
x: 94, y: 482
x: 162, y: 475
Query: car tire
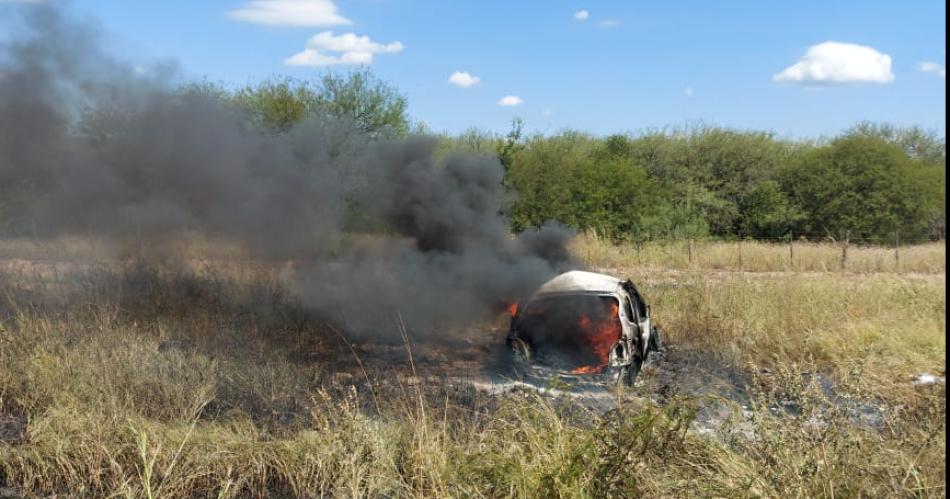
x: 520, y: 357
x: 627, y: 375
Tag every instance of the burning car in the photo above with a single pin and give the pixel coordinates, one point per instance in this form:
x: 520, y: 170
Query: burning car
x: 583, y: 323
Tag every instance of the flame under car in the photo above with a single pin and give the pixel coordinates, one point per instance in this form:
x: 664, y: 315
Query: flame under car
x: 583, y: 323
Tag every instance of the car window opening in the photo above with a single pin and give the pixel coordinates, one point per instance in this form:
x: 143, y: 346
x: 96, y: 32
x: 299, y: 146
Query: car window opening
x: 574, y: 331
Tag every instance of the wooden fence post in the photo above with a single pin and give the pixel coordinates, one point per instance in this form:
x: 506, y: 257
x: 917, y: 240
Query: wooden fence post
x: 897, y: 245
x: 844, y: 249
x: 791, y: 250
x: 740, y: 252
x: 639, y: 239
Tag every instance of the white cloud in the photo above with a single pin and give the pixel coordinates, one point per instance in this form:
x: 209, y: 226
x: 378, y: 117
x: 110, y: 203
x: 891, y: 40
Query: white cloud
x: 327, y: 49
x: 510, y: 101
x: 609, y: 23
x: 581, y: 15
x: 464, y: 79
x: 933, y: 67
x: 835, y: 62
x: 290, y: 13
x: 688, y: 91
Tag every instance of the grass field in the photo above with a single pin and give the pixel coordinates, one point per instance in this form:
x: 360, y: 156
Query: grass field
x: 118, y: 379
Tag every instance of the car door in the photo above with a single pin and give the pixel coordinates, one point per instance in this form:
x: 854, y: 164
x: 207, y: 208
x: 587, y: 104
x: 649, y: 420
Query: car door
x: 643, y: 315
x: 630, y: 321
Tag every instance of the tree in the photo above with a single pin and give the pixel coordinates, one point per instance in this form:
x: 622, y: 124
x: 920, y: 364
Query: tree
x: 583, y: 183
x: 511, y: 145
x: 372, y: 105
x: 278, y: 105
x: 470, y: 141
x: 358, y: 98
x: 862, y: 184
x: 618, y: 146
x: 537, y: 173
x: 709, y: 170
x: 766, y: 211
x: 924, y: 145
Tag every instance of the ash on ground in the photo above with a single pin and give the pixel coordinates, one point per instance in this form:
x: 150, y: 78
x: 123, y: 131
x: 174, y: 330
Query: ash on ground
x: 721, y: 393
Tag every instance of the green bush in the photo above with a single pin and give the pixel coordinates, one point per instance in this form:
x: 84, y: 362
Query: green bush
x: 865, y: 185
x: 874, y: 180
x: 373, y: 106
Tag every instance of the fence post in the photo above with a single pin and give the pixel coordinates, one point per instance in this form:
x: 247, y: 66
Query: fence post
x: 791, y: 250
x: 588, y: 247
x: 740, y: 252
x: 844, y: 249
x: 639, y: 261
x: 897, y: 245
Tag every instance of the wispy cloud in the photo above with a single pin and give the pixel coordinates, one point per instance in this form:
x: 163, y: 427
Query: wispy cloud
x: 609, y: 23
x: 688, y: 91
x: 319, y: 13
x: 835, y: 62
x: 581, y: 15
x: 464, y: 79
x: 933, y: 68
x: 510, y: 101
x: 327, y: 49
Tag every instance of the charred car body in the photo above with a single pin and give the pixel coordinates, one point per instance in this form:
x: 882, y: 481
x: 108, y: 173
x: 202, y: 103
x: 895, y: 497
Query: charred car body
x: 583, y: 323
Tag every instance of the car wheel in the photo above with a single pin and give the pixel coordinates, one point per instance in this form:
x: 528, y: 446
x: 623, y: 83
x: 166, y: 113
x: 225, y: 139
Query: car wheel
x: 520, y: 358
x: 627, y: 375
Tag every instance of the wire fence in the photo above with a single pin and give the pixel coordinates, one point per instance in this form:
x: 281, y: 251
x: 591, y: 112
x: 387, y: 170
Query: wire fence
x: 893, y: 240
x: 788, y: 252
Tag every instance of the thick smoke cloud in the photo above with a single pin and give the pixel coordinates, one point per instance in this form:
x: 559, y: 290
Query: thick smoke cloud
x: 108, y: 151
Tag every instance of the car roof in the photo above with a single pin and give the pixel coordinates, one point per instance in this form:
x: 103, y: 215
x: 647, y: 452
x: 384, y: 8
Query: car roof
x: 579, y: 281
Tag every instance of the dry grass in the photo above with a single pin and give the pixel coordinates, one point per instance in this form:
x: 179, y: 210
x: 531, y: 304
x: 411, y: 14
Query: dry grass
x: 890, y: 322
x: 755, y: 256
x: 90, y: 405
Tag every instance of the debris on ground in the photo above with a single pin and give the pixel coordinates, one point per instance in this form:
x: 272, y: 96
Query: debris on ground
x: 928, y: 379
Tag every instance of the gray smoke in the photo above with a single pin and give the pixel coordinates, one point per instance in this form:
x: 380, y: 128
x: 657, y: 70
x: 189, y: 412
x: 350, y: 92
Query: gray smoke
x: 101, y: 149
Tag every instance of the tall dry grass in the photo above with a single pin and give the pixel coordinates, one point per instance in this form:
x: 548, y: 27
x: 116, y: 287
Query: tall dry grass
x: 92, y: 405
x: 890, y: 323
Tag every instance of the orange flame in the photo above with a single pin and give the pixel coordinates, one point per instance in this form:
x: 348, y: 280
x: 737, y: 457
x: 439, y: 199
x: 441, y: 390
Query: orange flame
x: 513, y: 309
x: 588, y: 370
x: 600, y: 337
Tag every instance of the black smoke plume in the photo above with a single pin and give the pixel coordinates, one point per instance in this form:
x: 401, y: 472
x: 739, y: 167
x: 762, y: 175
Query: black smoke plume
x: 91, y: 146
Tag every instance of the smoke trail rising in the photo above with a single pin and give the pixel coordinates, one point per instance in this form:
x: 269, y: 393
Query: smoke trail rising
x: 90, y: 146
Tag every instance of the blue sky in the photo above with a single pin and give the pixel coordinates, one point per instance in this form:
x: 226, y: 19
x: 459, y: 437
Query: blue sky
x: 624, y: 66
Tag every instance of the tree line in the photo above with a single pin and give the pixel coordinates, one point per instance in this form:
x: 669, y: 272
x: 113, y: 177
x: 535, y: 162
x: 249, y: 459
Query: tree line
x: 874, y: 180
